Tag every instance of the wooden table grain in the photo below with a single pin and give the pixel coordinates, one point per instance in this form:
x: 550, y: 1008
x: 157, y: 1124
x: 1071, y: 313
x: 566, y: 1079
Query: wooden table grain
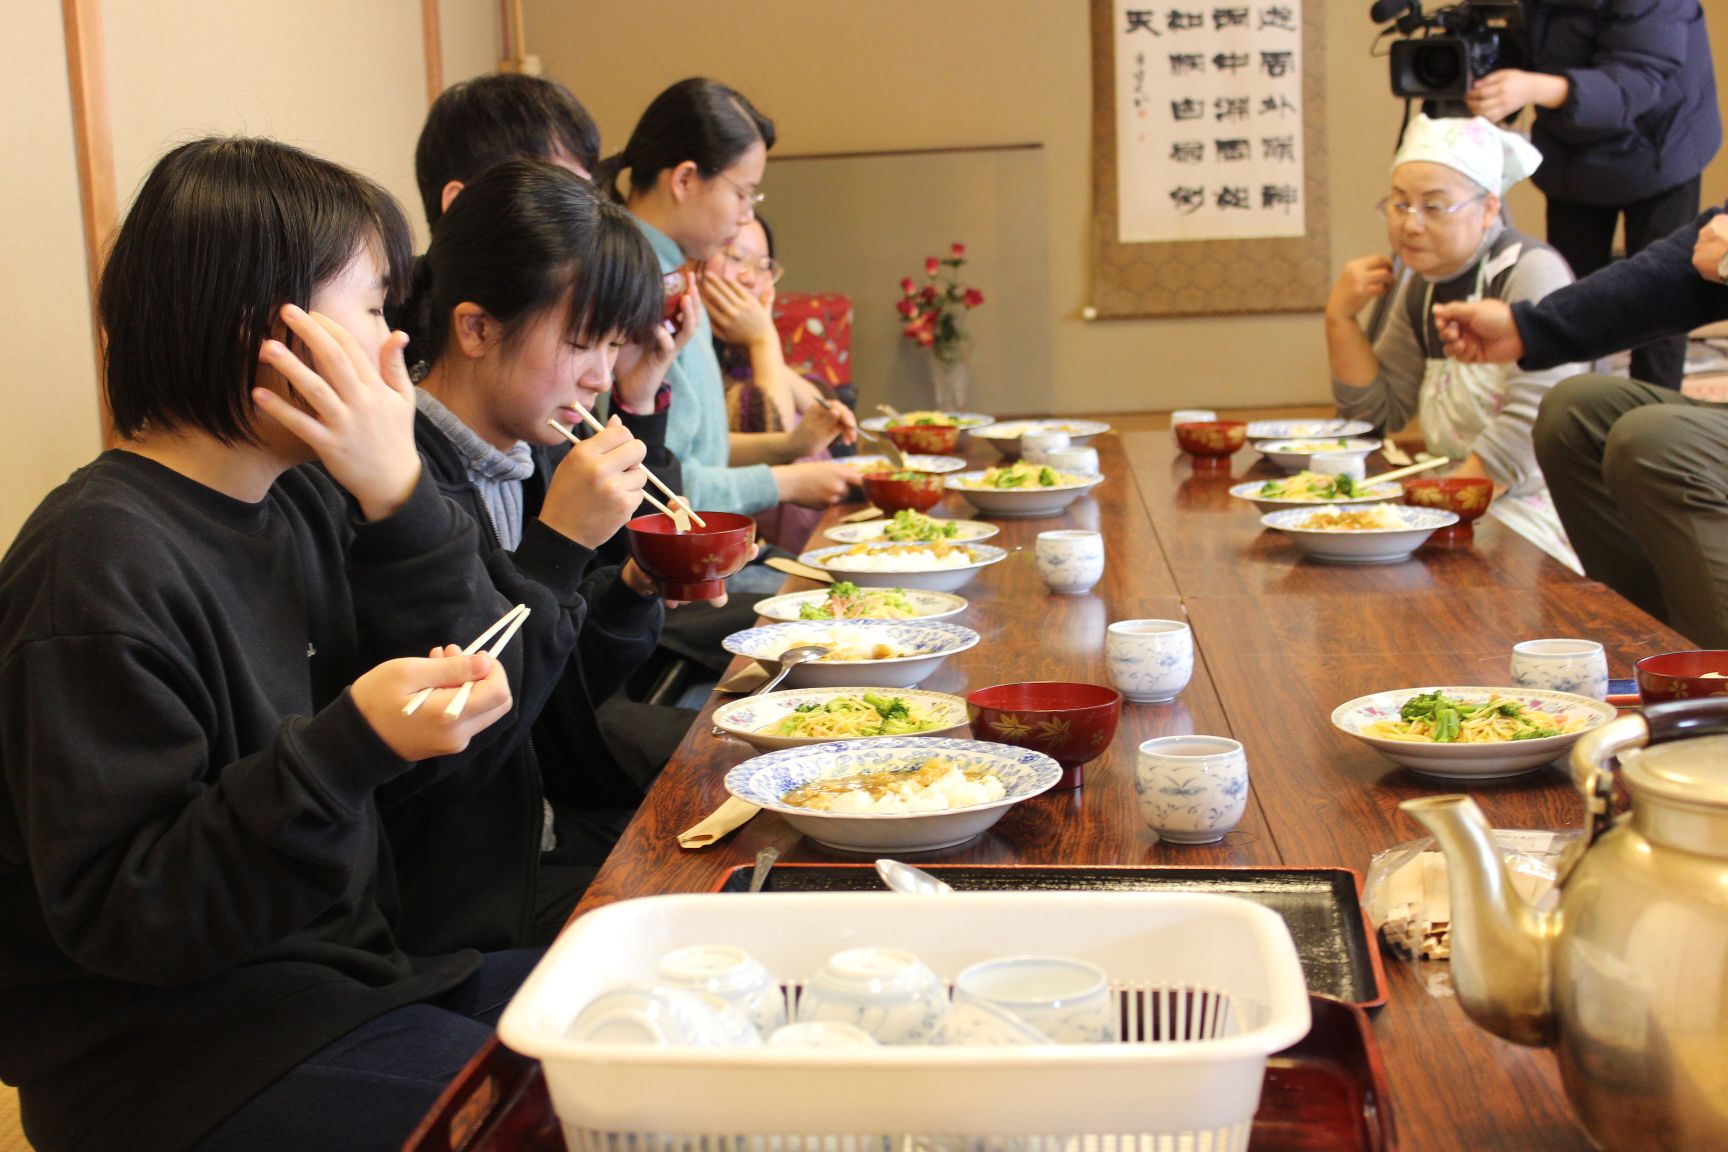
x: 1215, y: 545
x: 1281, y: 642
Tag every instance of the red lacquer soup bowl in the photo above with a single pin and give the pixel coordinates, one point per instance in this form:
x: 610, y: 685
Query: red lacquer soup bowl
x: 1070, y: 722
x: 691, y: 565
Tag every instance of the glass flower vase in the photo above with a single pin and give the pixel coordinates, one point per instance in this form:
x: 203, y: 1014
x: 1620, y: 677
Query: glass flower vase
x: 953, y: 380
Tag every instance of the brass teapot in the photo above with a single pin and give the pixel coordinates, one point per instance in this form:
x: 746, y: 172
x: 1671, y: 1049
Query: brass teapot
x: 1627, y: 979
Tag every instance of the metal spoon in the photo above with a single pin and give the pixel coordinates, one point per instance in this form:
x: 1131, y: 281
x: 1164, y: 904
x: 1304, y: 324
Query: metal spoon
x: 912, y: 881
x: 790, y: 659
x: 764, y: 861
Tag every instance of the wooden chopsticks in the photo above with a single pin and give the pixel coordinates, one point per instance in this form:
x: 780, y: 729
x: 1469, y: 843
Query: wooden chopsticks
x: 509, y: 623
x: 588, y: 419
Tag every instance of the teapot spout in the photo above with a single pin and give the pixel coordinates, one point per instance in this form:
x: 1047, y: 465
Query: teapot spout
x: 1502, y: 948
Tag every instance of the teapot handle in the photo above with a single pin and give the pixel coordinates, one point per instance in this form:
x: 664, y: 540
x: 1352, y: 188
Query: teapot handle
x: 1593, y: 756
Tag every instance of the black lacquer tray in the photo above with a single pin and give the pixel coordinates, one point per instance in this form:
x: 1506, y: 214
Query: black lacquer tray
x: 1321, y: 906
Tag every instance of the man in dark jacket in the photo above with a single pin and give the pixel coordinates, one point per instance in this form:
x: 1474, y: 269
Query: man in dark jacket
x: 1626, y: 119
x: 1639, y: 474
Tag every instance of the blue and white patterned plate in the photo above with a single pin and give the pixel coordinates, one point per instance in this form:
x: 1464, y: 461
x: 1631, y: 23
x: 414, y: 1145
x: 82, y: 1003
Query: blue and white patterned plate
x: 765, y: 779
x: 1361, y: 545
x: 965, y: 531
x: 1293, y: 455
x: 1305, y: 429
x: 745, y: 718
x: 1004, y: 435
x: 1376, y: 494
x: 964, y: 420
x: 875, y: 462
x: 926, y: 642
x: 1487, y: 761
x: 837, y: 558
x: 1013, y: 502
x: 926, y: 605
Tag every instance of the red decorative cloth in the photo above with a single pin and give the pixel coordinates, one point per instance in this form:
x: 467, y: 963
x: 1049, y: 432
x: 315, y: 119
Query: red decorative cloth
x: 816, y: 331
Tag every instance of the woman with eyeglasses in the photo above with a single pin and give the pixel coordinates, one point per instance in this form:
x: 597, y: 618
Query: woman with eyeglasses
x: 1449, y: 243
x: 763, y: 394
x: 696, y: 162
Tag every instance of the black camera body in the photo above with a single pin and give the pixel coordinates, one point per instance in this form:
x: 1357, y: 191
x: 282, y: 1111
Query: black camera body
x: 1457, y: 46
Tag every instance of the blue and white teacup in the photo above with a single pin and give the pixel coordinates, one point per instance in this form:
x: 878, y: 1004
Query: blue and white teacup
x: 1150, y: 661
x: 1070, y: 560
x: 733, y: 975
x: 1192, y: 789
x: 888, y: 992
x: 1578, y: 666
x: 1068, y: 1000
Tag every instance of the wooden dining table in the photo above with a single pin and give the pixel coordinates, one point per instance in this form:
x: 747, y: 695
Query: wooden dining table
x: 1280, y: 642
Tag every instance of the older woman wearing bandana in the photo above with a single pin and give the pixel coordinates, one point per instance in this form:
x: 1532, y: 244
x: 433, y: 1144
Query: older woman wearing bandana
x: 1449, y: 244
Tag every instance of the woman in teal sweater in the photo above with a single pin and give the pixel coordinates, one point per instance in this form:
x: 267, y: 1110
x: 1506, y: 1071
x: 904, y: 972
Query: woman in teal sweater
x: 695, y: 160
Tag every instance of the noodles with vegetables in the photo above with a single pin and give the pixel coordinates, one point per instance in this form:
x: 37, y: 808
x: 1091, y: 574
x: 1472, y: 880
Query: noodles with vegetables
x: 842, y: 717
x: 1433, y: 717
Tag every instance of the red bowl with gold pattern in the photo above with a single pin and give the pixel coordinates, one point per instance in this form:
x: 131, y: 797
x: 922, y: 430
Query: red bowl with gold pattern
x: 1467, y: 496
x: 691, y: 565
x: 1212, y: 442
x: 925, y: 439
x: 1070, y: 722
x: 892, y: 491
x: 1682, y: 675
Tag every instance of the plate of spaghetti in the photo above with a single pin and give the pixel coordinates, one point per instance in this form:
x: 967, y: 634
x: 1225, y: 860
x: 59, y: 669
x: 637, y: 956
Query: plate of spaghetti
x: 844, y: 600
x: 1470, y: 733
x: 817, y: 715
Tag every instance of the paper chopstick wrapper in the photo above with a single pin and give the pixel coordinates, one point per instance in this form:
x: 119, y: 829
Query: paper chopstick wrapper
x: 730, y: 815
x: 747, y: 679
x: 863, y: 514
x: 794, y: 568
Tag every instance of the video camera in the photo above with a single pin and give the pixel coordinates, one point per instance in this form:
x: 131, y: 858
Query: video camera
x: 1458, y: 45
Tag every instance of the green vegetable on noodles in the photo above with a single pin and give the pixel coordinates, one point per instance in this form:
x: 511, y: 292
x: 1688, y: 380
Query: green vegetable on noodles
x: 1047, y: 477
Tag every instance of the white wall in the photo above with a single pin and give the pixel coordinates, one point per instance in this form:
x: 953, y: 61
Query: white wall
x: 48, y: 384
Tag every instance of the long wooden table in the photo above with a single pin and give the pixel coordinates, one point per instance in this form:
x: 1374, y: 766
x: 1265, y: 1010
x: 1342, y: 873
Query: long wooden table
x: 1281, y: 641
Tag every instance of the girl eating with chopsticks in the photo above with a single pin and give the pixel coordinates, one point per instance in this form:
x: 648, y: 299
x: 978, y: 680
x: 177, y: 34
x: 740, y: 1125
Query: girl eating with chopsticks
x: 531, y: 285
x: 208, y: 693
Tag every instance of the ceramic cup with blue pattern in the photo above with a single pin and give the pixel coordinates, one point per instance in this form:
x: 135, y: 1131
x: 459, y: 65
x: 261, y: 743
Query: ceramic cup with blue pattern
x: 888, y: 992
x: 1150, y: 661
x: 1576, y: 666
x: 1070, y: 560
x: 1192, y: 789
x: 1068, y: 1000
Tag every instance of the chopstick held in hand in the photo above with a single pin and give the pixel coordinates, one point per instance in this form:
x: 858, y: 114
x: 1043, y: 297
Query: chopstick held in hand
x: 509, y: 619
x: 460, y: 700
x: 588, y: 419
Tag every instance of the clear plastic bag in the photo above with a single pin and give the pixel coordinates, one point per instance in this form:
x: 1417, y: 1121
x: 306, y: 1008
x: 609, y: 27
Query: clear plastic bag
x: 1409, y: 903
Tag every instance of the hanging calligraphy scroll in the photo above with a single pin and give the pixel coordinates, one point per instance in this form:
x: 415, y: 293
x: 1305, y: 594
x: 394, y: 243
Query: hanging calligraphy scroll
x: 1209, y: 157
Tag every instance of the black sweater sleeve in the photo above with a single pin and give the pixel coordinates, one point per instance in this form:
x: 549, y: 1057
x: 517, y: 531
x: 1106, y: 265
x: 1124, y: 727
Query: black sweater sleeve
x: 150, y: 866
x: 1630, y: 302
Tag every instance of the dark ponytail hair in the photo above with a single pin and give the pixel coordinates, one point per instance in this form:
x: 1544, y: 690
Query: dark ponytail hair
x: 225, y: 231
x: 524, y: 237
x: 695, y: 119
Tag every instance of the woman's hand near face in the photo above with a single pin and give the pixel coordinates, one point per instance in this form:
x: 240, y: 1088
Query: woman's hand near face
x: 597, y: 486
x: 357, y: 416
x: 737, y: 315
x: 1362, y: 281
x: 381, y: 693
x: 815, y: 483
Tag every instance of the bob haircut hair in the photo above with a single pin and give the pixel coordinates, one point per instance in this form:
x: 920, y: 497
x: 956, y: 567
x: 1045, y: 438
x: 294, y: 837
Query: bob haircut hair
x: 491, y: 119
x: 525, y: 237
x: 224, y: 232
x: 696, y: 119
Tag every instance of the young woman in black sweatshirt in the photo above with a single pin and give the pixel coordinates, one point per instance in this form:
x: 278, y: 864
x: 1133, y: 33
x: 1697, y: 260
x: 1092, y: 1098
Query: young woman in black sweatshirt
x: 205, y: 652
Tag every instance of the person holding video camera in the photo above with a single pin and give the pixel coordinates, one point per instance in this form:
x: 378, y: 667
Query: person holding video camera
x: 1626, y: 120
